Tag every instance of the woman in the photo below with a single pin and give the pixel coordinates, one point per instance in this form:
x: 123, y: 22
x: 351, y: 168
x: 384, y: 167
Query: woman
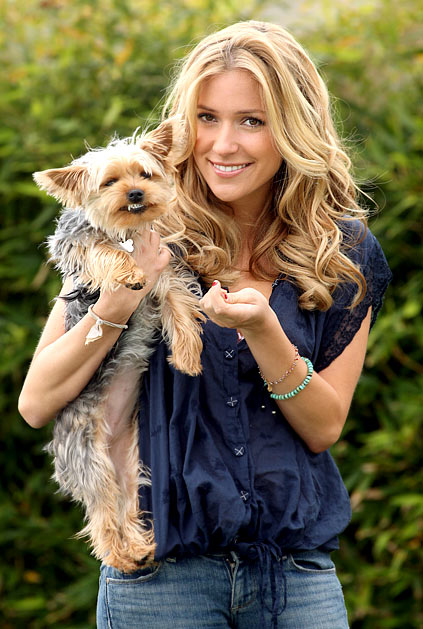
x: 246, y: 500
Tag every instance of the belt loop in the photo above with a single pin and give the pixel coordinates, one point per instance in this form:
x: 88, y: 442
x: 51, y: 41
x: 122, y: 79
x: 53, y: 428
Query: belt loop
x: 233, y: 561
x: 234, y: 556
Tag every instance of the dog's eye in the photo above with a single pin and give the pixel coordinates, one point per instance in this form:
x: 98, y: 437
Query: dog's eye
x: 146, y: 175
x: 110, y: 182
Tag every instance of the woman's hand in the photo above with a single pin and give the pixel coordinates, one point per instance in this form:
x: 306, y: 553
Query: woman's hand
x: 246, y: 310
x: 150, y: 255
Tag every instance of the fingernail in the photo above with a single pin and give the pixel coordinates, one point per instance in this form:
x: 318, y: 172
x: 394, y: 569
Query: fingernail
x: 214, y: 283
x: 225, y: 295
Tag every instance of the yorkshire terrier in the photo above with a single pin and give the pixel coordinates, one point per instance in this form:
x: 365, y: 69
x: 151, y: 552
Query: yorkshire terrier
x: 115, y: 194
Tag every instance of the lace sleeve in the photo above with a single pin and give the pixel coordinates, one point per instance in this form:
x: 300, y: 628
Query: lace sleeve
x: 342, y: 323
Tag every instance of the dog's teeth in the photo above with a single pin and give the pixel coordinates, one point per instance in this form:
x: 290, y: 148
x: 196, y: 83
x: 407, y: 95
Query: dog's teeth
x: 134, y: 206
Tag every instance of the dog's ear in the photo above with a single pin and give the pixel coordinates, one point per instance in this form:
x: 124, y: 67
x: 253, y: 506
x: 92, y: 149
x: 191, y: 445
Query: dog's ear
x: 159, y: 141
x: 68, y: 185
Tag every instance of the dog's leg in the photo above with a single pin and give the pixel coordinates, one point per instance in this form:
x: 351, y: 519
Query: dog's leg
x: 106, y: 267
x: 181, y: 317
x: 84, y: 469
x: 136, y: 539
x: 120, y: 534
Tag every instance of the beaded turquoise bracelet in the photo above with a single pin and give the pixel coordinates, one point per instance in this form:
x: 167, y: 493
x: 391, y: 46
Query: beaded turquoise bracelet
x: 297, y: 390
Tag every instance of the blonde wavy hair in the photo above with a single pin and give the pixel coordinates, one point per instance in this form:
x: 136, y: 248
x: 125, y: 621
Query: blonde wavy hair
x: 298, y: 233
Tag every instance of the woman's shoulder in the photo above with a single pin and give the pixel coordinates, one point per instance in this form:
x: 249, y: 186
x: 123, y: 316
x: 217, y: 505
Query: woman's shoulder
x: 362, y: 247
x: 341, y: 320
x: 357, y: 238
x: 358, y: 241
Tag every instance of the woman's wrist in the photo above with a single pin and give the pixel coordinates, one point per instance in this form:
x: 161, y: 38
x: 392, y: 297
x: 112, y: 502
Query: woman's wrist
x: 267, y: 324
x: 119, y: 305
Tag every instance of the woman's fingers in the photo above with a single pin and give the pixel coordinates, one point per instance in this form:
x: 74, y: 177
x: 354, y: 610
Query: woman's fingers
x: 150, y: 254
x: 216, y: 305
x: 246, y: 307
x: 214, y: 299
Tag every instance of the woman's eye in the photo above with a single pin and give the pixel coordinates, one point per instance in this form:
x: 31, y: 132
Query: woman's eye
x: 110, y: 182
x: 253, y: 122
x: 206, y: 117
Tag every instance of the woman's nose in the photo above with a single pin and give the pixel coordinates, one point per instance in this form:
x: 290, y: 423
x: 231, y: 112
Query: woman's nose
x: 225, y: 141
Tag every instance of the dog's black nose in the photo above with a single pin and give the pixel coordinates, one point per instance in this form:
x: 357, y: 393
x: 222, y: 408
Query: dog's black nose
x: 135, y: 196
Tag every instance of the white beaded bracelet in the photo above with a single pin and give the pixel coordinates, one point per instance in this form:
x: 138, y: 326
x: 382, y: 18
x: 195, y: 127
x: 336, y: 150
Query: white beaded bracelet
x: 96, y: 332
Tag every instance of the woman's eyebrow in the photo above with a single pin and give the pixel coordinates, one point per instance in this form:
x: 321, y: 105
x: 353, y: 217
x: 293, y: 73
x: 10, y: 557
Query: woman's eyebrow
x: 242, y: 111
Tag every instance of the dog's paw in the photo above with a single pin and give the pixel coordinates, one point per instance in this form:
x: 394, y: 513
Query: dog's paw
x: 136, y: 280
x: 136, y: 286
x: 131, y: 559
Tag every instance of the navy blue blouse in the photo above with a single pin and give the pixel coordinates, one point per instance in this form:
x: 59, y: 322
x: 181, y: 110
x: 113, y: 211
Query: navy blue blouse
x: 227, y: 469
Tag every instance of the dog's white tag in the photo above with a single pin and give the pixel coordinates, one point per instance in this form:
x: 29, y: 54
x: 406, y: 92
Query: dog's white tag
x: 128, y: 245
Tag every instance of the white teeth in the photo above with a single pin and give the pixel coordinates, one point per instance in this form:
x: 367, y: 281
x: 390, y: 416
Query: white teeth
x: 229, y: 169
x: 135, y: 206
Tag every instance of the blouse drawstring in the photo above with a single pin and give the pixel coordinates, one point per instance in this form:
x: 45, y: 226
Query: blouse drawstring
x: 270, y: 562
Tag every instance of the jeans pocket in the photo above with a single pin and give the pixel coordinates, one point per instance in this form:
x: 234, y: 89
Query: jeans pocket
x: 313, y: 561
x: 112, y: 575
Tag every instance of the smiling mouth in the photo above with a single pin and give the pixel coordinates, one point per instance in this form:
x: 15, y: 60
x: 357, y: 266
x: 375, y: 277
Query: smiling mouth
x: 229, y: 169
x: 134, y: 208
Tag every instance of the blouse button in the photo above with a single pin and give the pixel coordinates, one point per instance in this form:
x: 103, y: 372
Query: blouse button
x: 229, y: 354
x: 231, y: 402
x: 244, y: 495
x: 239, y: 451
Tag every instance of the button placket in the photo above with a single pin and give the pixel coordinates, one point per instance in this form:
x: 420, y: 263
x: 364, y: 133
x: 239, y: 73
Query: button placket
x: 235, y: 432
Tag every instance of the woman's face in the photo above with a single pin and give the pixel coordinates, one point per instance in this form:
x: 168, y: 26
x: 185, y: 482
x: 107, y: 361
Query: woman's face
x: 234, y: 150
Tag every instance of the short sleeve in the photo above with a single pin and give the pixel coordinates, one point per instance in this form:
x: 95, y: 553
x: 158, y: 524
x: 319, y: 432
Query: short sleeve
x: 342, y: 322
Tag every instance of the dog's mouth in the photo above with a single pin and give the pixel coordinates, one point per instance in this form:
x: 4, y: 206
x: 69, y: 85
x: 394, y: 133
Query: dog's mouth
x: 134, y: 208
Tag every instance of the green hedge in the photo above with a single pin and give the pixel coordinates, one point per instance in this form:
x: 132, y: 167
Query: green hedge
x: 75, y: 72
x: 372, y: 61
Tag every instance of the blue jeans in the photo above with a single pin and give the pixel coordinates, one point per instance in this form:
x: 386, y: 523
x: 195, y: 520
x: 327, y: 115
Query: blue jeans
x: 222, y: 592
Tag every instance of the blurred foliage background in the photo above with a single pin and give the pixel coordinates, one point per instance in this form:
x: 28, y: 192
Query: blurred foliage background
x: 79, y: 71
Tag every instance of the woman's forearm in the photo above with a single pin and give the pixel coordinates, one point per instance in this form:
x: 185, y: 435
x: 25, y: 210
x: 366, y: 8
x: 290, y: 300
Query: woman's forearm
x: 316, y: 412
x: 63, y: 364
x: 60, y: 371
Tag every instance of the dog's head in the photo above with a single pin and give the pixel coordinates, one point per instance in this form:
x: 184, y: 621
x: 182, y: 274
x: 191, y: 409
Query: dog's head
x: 119, y: 187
